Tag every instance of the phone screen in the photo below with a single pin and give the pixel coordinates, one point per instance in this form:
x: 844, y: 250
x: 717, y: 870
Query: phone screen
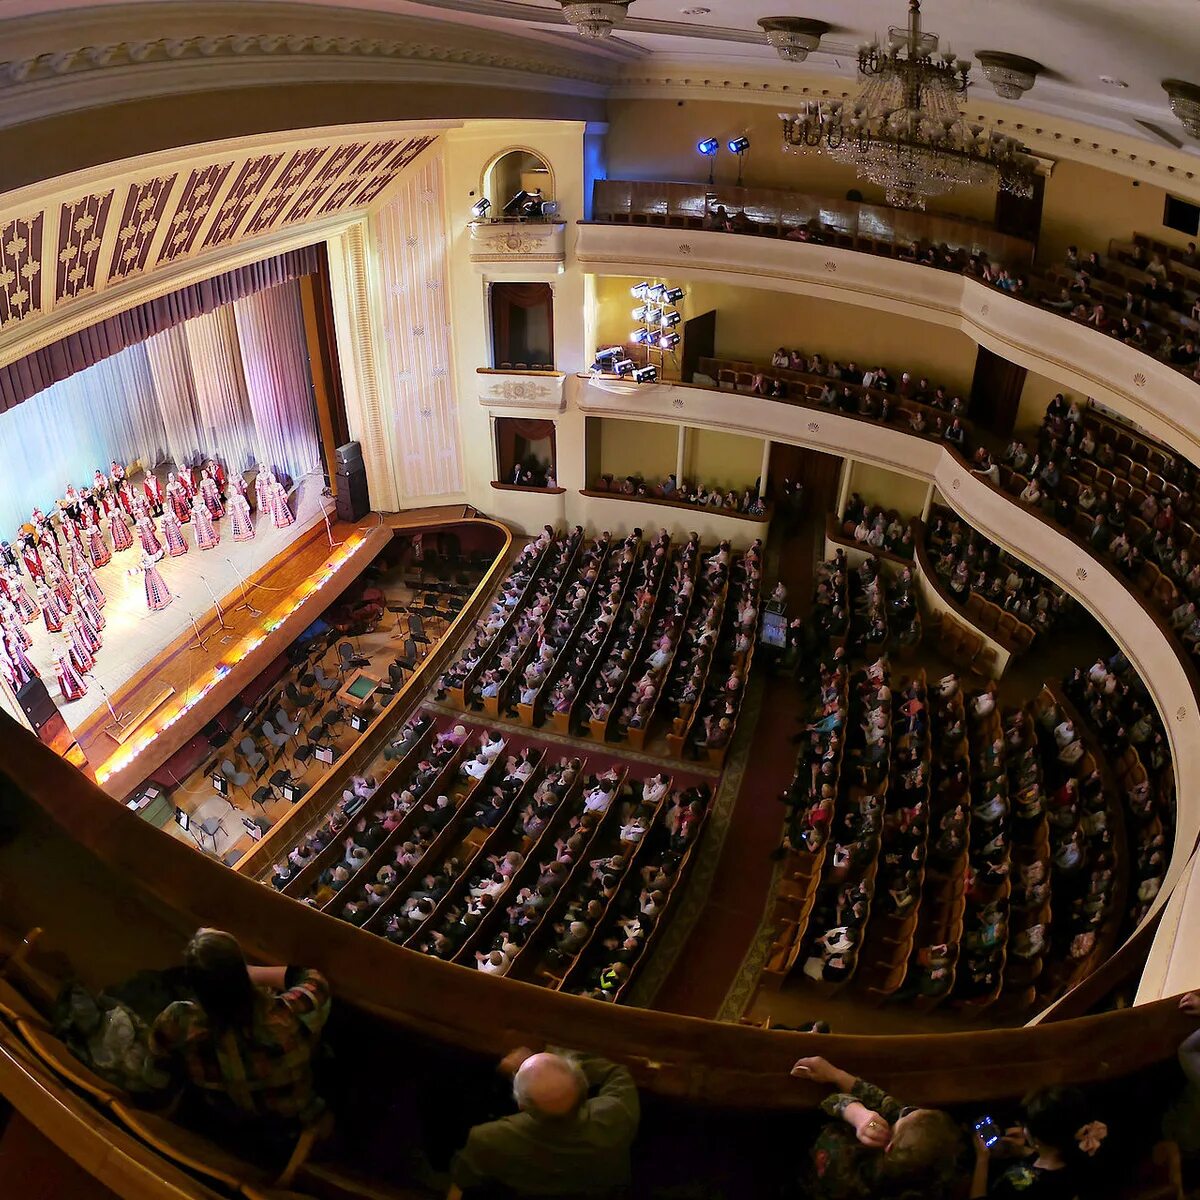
x: 989, y: 1130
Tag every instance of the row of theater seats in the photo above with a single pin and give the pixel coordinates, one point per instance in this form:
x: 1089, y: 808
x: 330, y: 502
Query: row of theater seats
x: 994, y: 869
x: 609, y: 638
x: 491, y: 859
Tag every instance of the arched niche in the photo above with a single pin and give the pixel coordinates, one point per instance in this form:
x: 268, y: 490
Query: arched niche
x: 515, y: 169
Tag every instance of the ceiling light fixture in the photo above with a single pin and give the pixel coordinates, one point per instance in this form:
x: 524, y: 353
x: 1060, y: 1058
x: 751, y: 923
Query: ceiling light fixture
x: 906, y: 130
x: 793, y: 38
x: 1010, y: 75
x: 594, y: 21
x: 1185, y: 103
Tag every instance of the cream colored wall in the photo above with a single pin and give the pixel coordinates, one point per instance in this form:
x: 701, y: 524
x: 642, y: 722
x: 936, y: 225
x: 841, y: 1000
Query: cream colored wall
x: 1035, y: 395
x: 876, y: 485
x: 726, y: 460
x: 467, y: 155
x: 752, y: 323
x: 671, y: 153
x: 646, y: 448
x: 1086, y: 207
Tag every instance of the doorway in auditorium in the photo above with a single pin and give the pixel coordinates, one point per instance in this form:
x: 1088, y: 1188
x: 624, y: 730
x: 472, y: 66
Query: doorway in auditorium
x: 818, y: 472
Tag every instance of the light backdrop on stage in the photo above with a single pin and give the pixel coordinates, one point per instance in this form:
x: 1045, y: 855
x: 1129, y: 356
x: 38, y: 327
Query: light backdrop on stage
x: 233, y: 384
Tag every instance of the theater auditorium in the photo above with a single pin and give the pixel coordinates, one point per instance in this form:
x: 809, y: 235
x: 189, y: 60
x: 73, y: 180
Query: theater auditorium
x: 599, y: 600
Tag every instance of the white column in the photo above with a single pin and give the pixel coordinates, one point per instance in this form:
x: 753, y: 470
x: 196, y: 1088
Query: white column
x: 766, y: 466
x: 844, y: 486
x: 925, y: 508
x: 680, y: 453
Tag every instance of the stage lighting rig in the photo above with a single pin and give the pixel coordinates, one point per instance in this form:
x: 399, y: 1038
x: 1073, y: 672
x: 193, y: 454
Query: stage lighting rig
x: 710, y: 148
x: 646, y: 374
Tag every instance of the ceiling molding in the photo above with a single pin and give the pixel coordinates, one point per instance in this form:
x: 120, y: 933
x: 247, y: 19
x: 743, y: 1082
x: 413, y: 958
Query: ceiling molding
x: 1047, y: 136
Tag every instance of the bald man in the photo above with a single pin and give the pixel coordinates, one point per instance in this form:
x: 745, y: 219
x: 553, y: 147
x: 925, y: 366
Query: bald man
x: 577, y: 1120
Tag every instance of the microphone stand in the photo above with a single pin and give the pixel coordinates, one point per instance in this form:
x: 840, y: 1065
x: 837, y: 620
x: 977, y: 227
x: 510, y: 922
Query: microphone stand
x: 121, y: 720
x: 201, y: 644
x: 216, y: 602
x: 254, y: 612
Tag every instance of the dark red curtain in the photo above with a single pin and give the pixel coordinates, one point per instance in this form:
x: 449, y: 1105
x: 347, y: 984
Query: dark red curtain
x: 62, y: 359
x: 508, y: 430
x: 509, y: 296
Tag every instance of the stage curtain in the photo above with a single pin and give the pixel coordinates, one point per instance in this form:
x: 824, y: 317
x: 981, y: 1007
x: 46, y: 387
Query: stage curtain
x: 419, y: 385
x: 226, y: 422
x: 123, y: 395
x: 171, y: 368
x: 270, y: 329
x: 37, y: 371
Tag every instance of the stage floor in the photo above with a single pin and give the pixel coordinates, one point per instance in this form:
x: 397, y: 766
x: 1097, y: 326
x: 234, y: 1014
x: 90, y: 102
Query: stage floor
x: 134, y: 635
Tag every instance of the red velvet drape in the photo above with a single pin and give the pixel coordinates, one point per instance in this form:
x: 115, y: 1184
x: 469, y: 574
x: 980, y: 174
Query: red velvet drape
x: 509, y: 296
x: 508, y: 429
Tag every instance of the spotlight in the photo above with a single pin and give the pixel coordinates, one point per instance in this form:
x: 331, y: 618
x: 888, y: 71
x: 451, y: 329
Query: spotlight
x: 606, y: 358
x: 673, y: 295
x: 518, y: 203
x: 638, y: 291
x: 641, y: 312
x: 481, y: 208
x: 641, y: 337
x: 656, y: 291
x: 739, y: 146
x: 647, y: 374
x: 623, y: 366
x: 709, y: 147
x: 669, y: 319
x: 669, y: 341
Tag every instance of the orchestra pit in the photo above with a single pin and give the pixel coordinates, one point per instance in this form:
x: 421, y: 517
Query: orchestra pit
x: 599, y: 600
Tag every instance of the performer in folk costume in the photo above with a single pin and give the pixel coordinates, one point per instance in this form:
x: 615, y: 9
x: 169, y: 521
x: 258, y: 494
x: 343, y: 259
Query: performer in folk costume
x: 122, y: 539
x: 8, y: 557
x: 47, y: 542
x: 98, y: 549
x: 22, y: 670
x: 211, y: 496
x: 31, y: 557
x: 73, y: 552
x: 102, y: 490
x: 262, y: 490
x: 158, y: 595
x: 217, y: 472
x: 89, y: 631
x: 11, y: 619
x: 125, y: 495
x: 93, y: 586
x: 281, y: 511
x: 239, y: 514
x: 116, y: 472
x: 70, y: 682
x: 177, y: 497
x: 187, y: 483
x: 60, y: 585
x: 82, y: 654
x: 152, y: 489
x: 52, y: 613
x: 148, y: 535
x: 87, y: 607
x: 172, y: 533
x: 239, y: 485
x: 207, y: 534
x: 71, y: 506
x: 26, y: 609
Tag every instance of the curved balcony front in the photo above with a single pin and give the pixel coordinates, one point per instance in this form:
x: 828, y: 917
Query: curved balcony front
x: 1160, y: 399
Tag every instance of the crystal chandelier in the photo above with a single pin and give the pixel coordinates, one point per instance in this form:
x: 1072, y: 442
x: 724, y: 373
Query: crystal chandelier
x: 1185, y: 103
x: 906, y: 131
x: 793, y: 38
x: 596, y: 20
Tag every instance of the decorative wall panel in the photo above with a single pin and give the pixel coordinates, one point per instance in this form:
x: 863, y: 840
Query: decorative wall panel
x: 80, y: 234
x: 195, y: 204
x: 20, y: 268
x: 240, y: 198
x: 414, y: 277
x: 144, y: 207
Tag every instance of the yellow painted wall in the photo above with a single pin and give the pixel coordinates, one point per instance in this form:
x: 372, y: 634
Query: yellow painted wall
x: 726, y: 460
x: 671, y: 153
x: 876, y: 485
x: 1035, y: 395
x: 752, y: 322
x: 644, y: 448
x: 1086, y: 207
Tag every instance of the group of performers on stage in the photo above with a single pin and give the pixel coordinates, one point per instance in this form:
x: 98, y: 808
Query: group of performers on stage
x: 61, y: 557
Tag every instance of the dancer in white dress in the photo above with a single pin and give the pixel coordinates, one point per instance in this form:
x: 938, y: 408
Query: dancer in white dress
x: 239, y: 515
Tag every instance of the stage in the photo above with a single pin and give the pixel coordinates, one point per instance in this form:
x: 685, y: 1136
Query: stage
x: 133, y: 635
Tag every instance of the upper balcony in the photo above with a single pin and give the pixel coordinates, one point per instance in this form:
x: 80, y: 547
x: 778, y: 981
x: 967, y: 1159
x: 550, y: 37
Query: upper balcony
x: 647, y: 229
